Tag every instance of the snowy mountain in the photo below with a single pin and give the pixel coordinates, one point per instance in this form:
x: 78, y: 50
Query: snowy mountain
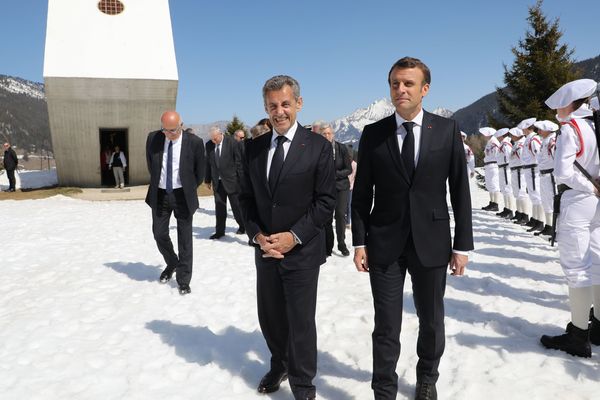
x: 348, y: 129
x: 21, y: 86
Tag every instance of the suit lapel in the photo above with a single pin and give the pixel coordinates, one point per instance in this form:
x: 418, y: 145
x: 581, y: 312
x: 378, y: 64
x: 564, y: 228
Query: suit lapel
x: 294, y: 153
x: 425, y: 142
x: 262, y: 159
x: 183, y: 152
x: 158, y: 153
x: 392, y: 142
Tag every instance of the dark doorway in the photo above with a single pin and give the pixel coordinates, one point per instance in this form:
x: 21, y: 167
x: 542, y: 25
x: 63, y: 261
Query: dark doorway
x: 109, y: 139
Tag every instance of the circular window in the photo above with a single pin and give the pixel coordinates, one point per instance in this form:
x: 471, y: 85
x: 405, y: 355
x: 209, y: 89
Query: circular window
x: 111, y: 7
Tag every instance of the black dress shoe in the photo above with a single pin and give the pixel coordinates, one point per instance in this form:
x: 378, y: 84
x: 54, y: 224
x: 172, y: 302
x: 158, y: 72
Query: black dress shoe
x: 166, y: 275
x: 184, y: 289
x: 240, y: 231
x: 216, y: 236
x: 271, y: 381
x: 425, y: 391
x: 574, y: 341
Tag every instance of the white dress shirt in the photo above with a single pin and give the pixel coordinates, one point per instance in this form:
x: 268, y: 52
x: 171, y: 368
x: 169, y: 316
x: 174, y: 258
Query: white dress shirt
x: 162, y: 184
x: 289, y: 135
x: 401, y: 132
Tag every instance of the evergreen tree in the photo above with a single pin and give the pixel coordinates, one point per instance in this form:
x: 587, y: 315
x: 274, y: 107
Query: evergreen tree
x: 234, y: 125
x: 541, y: 66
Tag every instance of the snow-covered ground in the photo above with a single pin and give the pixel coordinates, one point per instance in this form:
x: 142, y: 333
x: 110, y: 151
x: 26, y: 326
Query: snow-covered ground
x: 30, y: 179
x: 82, y: 315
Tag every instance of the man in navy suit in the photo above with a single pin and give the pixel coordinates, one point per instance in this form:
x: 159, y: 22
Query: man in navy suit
x: 408, y: 226
x: 176, y: 165
x: 287, y: 195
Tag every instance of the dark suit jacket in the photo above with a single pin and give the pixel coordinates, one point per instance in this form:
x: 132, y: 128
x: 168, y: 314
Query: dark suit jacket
x: 230, y: 164
x: 10, y: 159
x: 191, y: 166
x: 401, y: 206
x: 303, y: 200
x: 343, y: 166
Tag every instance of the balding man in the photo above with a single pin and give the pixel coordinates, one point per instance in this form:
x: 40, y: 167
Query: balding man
x: 176, y: 165
x: 239, y: 135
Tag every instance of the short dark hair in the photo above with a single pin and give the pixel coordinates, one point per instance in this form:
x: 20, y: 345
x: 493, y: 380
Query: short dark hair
x: 579, y: 102
x: 410, y: 62
x: 278, y: 82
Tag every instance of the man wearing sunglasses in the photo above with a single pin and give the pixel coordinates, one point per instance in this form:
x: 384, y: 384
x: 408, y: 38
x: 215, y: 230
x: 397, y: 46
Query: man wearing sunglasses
x: 176, y: 165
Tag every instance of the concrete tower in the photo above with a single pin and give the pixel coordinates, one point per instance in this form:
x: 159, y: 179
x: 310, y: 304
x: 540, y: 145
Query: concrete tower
x: 110, y: 72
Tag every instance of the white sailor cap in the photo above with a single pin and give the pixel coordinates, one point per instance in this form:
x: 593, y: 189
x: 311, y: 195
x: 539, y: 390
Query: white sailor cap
x: 547, y: 126
x: 569, y: 92
x: 518, y: 132
x: 463, y: 134
x: 526, y: 123
x: 487, y: 131
x: 501, y: 132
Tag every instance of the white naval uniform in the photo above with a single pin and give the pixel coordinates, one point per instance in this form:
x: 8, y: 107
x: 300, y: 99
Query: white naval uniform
x: 503, y: 168
x: 530, y: 170
x: 546, y: 166
x: 492, y: 183
x: 579, y: 219
x: 515, y: 163
x: 470, y: 159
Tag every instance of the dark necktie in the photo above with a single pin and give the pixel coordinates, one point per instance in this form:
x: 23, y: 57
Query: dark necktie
x: 276, y: 163
x: 169, y: 185
x: 218, y: 155
x: 408, y: 149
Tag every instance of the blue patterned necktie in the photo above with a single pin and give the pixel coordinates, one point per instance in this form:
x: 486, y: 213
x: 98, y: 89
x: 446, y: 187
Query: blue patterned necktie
x: 170, y: 168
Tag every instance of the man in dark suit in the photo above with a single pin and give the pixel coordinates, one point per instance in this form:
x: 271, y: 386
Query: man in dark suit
x: 223, y: 172
x: 11, y: 161
x: 288, y: 192
x: 342, y: 162
x: 406, y: 159
x: 176, y: 165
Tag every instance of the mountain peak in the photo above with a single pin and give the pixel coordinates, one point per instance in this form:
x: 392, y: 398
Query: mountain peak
x: 22, y: 86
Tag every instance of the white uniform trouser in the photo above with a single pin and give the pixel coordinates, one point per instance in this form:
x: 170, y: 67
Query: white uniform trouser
x: 579, y: 238
x: 519, y: 192
x: 547, y: 191
x: 504, y: 179
x: 533, y: 185
x: 492, y: 183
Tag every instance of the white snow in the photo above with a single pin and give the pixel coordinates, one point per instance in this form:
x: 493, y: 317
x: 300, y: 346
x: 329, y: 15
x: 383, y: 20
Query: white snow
x: 82, y: 315
x: 25, y: 179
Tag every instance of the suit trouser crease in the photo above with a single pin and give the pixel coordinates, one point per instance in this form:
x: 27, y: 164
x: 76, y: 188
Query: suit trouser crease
x: 10, y: 173
x: 286, y: 312
x: 221, y: 197
x: 168, y: 204
x: 387, y: 284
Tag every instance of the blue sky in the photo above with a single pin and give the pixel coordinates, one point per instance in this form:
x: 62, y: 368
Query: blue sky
x: 339, y: 51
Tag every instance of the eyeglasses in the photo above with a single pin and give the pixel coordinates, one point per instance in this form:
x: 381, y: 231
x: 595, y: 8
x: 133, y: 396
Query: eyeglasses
x: 171, y: 130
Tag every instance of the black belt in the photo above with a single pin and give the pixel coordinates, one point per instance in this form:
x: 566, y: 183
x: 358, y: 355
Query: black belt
x: 515, y: 168
x: 502, y: 165
x: 546, y: 171
x: 490, y: 162
x: 177, y: 190
x: 529, y: 166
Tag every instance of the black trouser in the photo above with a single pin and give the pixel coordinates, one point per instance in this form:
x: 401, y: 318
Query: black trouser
x: 387, y: 285
x: 221, y: 197
x: 341, y: 205
x: 287, y: 302
x: 10, y: 173
x: 167, y: 204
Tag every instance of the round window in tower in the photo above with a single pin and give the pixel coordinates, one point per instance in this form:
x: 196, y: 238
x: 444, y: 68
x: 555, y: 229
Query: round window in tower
x: 111, y: 7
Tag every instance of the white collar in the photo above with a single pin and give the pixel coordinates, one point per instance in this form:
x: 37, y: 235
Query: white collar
x: 289, y: 135
x: 418, y: 119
